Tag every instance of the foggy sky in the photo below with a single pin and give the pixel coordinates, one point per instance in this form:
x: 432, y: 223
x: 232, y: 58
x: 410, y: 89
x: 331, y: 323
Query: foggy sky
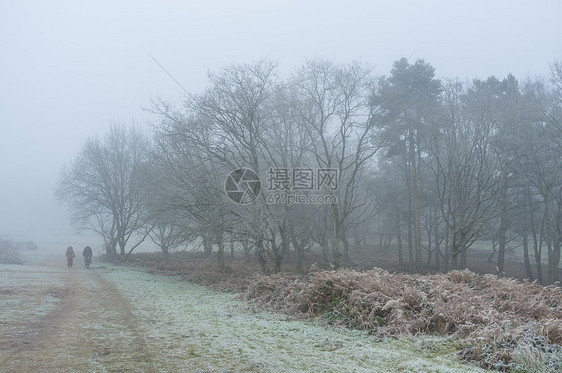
x: 68, y: 69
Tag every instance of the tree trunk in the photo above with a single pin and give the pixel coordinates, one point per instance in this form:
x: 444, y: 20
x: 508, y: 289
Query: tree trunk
x: 122, y: 248
x: 454, y: 264
x: 299, y: 249
x: 447, y: 249
x: 387, y: 242
x: 324, y: 247
x: 429, y: 247
x: 551, y: 267
x: 410, y: 177
x: 436, y: 235
x: 415, y: 206
x: 345, y: 243
x: 110, y: 248
x: 207, y: 247
x: 278, y: 254
x: 502, y: 232
x: 246, y: 247
x: 528, y: 270
x: 557, y: 243
x: 553, y: 260
x: 356, y: 241
x: 557, y: 260
x: 220, y: 254
x: 260, y: 254
x: 549, y: 242
x: 335, y: 239
x: 280, y: 251
x: 494, y: 250
x: 536, y: 246
x: 417, y: 209
x: 399, y: 239
x: 410, y: 236
x: 300, y: 259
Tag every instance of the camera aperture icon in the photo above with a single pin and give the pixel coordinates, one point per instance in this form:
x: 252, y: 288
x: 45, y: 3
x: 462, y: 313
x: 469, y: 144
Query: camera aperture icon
x: 243, y: 186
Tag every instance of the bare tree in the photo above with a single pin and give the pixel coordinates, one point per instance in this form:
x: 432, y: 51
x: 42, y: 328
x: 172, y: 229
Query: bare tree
x: 191, y: 184
x: 334, y: 106
x: 167, y: 226
x: 466, y: 174
x: 103, y: 187
x: 540, y: 169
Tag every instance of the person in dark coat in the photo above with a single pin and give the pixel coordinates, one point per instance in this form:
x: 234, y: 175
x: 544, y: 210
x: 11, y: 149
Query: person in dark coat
x: 87, y: 253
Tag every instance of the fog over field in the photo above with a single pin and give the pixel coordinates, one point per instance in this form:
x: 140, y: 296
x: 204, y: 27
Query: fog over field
x: 281, y: 186
x: 69, y: 69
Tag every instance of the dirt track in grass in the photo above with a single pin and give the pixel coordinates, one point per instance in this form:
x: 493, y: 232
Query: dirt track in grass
x: 114, y: 319
x: 68, y: 320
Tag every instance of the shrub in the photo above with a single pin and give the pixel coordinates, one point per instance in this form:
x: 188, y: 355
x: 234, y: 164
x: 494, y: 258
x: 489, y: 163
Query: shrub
x: 502, y: 319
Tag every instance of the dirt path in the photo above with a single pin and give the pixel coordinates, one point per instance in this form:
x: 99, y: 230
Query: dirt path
x: 53, y: 319
x: 90, y: 328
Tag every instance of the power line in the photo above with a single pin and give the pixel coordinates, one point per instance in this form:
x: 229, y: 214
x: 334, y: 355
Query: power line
x: 166, y: 71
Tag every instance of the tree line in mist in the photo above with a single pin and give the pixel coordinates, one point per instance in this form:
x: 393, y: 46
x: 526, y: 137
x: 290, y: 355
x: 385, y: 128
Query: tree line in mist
x: 423, y: 166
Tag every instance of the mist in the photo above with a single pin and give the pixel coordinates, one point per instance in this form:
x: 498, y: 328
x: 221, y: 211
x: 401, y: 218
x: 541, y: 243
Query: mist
x: 68, y: 71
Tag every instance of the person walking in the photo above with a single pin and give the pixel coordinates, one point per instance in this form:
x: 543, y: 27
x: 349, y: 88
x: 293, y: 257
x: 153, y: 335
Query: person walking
x: 69, y: 256
x: 87, y: 253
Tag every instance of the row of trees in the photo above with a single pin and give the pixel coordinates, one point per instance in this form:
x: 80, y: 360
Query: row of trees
x: 427, y: 166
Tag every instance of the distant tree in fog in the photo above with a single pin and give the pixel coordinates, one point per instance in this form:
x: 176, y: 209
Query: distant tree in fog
x: 462, y: 162
x: 103, y: 187
x: 406, y: 102
x: 465, y: 169
x: 332, y: 103
x: 167, y: 227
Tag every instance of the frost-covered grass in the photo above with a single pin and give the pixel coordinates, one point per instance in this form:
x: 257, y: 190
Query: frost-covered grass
x: 192, y: 328
x: 28, y: 293
x: 53, y: 319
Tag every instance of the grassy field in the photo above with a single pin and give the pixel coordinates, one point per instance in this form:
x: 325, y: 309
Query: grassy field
x: 116, y: 319
x: 494, y: 322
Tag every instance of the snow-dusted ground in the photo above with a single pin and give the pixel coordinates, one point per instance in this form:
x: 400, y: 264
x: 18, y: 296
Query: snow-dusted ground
x: 28, y: 293
x: 202, y: 330
x: 116, y: 319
